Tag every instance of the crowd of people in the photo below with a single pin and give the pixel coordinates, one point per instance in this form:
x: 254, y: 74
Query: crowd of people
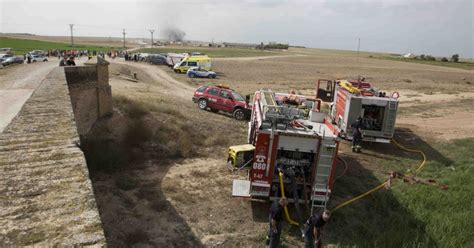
x: 67, y: 57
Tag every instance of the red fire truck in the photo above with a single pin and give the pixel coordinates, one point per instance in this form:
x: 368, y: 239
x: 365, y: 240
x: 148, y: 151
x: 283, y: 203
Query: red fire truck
x: 352, y: 99
x: 290, y: 136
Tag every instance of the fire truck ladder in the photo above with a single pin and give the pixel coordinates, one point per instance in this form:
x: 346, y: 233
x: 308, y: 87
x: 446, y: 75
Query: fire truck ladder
x: 320, y: 191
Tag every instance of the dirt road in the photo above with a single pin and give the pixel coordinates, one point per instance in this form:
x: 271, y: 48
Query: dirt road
x: 170, y: 85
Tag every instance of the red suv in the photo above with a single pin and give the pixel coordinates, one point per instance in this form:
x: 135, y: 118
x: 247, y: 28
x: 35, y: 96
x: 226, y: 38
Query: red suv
x: 222, y: 98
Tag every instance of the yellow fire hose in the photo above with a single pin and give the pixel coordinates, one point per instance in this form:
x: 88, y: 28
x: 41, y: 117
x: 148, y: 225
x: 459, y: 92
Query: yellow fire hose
x: 420, y: 167
x: 282, y: 187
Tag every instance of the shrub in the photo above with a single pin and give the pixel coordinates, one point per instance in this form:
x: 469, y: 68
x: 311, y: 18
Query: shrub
x: 444, y: 59
x: 137, y: 133
x: 422, y: 57
x: 185, y: 147
x: 455, y: 58
x: 430, y: 58
x: 132, y: 109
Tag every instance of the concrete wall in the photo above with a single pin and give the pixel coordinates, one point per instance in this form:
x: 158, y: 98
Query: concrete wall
x: 46, y: 196
x: 91, y: 94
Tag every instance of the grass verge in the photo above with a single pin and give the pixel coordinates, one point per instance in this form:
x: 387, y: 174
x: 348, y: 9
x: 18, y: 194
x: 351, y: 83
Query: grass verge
x: 409, y: 215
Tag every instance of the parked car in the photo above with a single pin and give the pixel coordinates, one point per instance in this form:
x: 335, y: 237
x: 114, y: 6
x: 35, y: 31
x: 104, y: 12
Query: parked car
x: 38, y: 58
x: 200, y: 73
x: 38, y: 52
x: 143, y: 56
x: 5, y: 56
x: 13, y: 60
x: 6, y: 50
x: 157, y: 59
x: 224, y: 99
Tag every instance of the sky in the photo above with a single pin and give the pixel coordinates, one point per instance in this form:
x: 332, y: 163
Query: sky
x: 437, y: 27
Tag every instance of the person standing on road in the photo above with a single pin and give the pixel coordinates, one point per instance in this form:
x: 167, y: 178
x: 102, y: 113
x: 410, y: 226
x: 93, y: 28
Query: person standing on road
x: 62, y: 62
x: 70, y: 61
x: 314, y: 228
x: 356, y: 134
x: 276, y: 221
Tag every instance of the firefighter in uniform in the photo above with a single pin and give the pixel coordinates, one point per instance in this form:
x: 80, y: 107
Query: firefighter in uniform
x: 356, y: 134
x: 276, y: 221
x: 313, y: 229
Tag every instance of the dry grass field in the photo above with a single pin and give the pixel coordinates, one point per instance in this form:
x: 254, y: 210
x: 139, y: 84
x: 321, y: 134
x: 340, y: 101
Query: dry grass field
x: 158, y: 165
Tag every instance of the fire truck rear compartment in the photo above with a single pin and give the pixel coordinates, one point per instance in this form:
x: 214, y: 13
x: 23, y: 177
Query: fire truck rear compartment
x: 297, y: 168
x: 372, y: 117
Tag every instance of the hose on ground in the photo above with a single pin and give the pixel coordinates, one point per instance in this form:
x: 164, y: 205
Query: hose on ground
x: 386, y: 183
x: 345, y: 167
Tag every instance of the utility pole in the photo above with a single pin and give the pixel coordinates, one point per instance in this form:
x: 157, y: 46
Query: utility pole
x: 123, y: 37
x: 151, y: 31
x: 71, y: 26
x: 358, y: 49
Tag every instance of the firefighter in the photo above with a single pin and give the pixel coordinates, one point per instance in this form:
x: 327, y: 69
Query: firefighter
x: 314, y: 228
x: 356, y: 134
x: 276, y: 220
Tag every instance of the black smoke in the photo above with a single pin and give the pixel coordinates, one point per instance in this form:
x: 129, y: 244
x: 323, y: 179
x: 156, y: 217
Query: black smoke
x: 174, y: 34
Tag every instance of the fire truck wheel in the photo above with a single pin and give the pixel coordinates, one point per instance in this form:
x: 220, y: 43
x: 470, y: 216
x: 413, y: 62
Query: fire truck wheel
x: 202, y: 104
x: 239, y: 114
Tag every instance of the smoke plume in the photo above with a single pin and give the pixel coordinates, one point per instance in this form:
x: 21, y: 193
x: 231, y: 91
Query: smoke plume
x: 174, y: 34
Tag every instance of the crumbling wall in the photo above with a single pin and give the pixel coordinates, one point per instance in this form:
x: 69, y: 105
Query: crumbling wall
x: 91, y: 94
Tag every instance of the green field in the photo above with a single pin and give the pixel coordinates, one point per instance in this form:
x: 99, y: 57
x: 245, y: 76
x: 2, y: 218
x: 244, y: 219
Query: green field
x: 21, y: 46
x: 213, y: 52
x: 407, y: 215
x: 467, y: 65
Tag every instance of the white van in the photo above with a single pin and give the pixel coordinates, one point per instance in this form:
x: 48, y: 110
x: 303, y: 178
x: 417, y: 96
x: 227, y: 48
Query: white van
x: 203, y: 62
x: 174, y: 58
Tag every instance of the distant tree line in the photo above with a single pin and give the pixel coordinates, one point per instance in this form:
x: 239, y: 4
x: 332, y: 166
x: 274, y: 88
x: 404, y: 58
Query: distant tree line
x: 272, y: 45
x: 454, y: 58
